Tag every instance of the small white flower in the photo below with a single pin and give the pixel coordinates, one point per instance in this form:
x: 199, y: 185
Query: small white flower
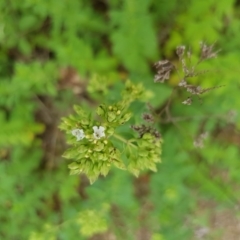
x: 78, y: 133
x: 98, y: 132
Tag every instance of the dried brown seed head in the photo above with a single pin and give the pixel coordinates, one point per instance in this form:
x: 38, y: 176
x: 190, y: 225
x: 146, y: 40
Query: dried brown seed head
x: 180, y: 51
x: 148, y: 117
x: 164, y: 68
x: 188, y: 101
x: 207, y: 51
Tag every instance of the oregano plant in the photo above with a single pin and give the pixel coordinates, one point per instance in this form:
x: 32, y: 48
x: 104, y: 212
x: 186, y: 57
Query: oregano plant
x: 94, y: 145
x: 186, y: 70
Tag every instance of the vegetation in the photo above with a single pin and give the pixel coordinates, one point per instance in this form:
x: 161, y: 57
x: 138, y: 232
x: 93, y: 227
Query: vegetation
x: 119, y: 119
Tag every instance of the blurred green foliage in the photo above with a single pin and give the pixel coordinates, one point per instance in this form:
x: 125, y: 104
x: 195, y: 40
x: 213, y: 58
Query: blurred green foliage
x: 51, y: 52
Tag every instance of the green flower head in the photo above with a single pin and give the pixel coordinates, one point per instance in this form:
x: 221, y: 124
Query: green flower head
x: 97, y: 145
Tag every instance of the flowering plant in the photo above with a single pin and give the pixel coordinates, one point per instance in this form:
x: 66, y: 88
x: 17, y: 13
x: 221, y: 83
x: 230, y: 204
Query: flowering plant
x: 96, y: 143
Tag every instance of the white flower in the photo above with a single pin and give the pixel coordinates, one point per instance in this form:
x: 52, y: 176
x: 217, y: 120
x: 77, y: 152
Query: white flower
x: 78, y: 133
x: 98, y: 132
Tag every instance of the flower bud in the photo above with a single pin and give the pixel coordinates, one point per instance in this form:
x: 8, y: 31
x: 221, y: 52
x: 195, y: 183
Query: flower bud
x: 111, y: 116
x: 100, y: 110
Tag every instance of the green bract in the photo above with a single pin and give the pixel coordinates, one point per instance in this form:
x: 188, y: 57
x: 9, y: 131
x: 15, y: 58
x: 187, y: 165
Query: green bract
x: 94, y: 145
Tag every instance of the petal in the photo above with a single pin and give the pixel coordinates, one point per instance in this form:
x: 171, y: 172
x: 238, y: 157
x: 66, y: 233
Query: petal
x: 78, y: 133
x: 75, y: 132
x: 95, y: 128
x: 101, y: 129
x: 81, y: 132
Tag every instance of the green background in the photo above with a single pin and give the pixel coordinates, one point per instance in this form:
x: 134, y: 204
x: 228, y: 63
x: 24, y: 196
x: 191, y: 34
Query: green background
x: 50, y: 54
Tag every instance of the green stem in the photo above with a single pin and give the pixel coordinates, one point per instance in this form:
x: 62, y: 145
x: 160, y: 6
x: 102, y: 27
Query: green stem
x: 128, y: 142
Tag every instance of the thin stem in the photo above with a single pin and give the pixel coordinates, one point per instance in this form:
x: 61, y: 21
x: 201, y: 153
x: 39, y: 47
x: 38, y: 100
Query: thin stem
x: 204, y: 117
x: 166, y: 107
x: 128, y: 142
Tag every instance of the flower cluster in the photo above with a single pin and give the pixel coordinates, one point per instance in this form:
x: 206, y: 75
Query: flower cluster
x: 148, y: 117
x: 143, y: 129
x: 180, y: 51
x: 165, y: 67
x: 145, y: 154
x: 196, y: 90
x: 96, y: 143
x: 114, y: 114
x: 91, y: 150
x: 207, y: 51
x: 98, y: 132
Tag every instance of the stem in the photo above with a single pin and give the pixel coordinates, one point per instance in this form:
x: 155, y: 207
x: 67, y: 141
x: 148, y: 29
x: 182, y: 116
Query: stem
x: 128, y: 142
x: 166, y: 107
x: 200, y: 117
